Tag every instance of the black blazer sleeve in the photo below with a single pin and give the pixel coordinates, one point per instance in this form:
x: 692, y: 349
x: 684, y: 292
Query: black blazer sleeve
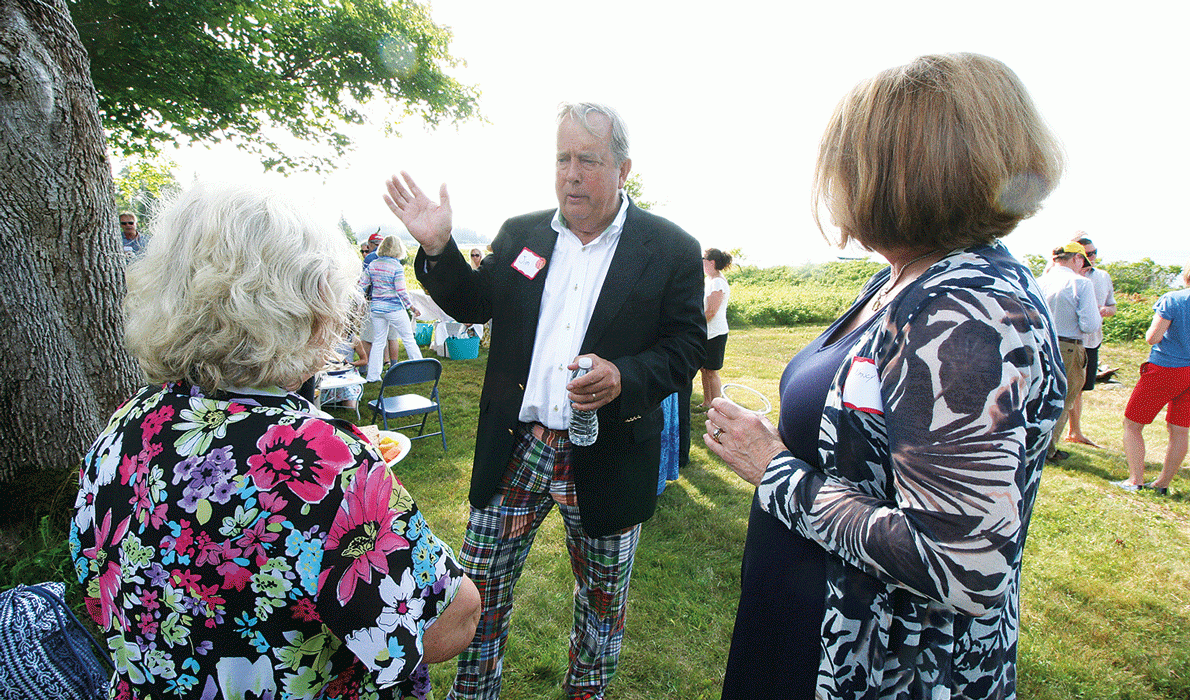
x: 454, y: 285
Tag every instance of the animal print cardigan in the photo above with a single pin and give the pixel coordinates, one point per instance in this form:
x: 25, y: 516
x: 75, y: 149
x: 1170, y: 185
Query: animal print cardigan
x: 932, y: 442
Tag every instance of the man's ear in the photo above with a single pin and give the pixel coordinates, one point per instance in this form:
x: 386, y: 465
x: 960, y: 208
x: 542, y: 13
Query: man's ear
x: 625, y: 168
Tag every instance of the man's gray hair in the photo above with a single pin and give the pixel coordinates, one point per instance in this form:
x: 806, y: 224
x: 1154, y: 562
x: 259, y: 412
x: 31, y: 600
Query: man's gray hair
x: 581, y: 113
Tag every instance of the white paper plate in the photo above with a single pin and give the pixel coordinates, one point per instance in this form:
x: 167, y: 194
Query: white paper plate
x: 401, y: 439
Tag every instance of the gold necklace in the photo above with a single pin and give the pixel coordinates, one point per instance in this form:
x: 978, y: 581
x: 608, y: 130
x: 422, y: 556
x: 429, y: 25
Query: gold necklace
x: 878, y: 300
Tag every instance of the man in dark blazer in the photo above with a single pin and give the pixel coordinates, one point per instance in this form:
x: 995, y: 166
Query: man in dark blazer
x: 597, y: 277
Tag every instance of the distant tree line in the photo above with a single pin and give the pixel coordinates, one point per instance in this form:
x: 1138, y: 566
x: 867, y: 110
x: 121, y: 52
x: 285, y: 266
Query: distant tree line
x: 818, y: 293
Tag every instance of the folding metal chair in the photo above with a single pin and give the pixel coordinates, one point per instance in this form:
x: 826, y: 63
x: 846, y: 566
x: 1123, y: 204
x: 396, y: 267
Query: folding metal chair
x: 410, y: 373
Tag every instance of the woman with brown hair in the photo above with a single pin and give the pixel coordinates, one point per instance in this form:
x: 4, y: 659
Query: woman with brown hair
x: 884, y: 545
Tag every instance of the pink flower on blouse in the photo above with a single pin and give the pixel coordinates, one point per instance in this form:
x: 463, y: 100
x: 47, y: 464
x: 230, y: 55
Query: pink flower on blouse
x: 155, y: 421
x: 305, y: 611
x: 255, y: 538
x: 285, y: 458
x: 108, y: 581
x: 234, y: 575
x: 142, y: 503
x: 272, y: 502
x: 146, y: 624
x: 362, y: 531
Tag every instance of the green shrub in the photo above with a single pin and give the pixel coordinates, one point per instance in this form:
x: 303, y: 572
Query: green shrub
x: 849, y: 274
x: 788, y: 296
x: 37, y: 551
x: 1144, y: 277
x: 785, y: 304
x: 753, y: 275
x: 1035, y: 263
x: 1131, y: 320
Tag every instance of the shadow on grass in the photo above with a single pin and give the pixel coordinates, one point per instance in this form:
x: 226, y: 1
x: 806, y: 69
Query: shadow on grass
x: 1099, y: 463
x: 1110, y: 466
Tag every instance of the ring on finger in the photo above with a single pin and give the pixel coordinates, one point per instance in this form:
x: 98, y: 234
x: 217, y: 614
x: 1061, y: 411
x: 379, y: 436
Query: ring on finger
x: 716, y: 433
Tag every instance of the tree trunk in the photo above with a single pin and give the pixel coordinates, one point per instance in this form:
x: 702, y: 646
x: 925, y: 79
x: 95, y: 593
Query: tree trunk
x: 63, y: 368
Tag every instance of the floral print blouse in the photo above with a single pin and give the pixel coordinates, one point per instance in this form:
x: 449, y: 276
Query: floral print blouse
x: 245, y: 545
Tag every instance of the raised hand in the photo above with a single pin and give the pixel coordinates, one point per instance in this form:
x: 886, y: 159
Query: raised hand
x: 428, y: 223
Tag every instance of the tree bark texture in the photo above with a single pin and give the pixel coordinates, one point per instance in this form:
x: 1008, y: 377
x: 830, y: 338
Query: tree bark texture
x: 63, y: 367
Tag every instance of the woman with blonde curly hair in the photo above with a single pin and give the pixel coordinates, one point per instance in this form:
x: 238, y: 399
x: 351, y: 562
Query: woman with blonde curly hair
x: 229, y: 536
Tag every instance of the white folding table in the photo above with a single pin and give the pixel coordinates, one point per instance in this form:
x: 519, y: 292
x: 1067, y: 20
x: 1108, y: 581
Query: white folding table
x: 339, y: 381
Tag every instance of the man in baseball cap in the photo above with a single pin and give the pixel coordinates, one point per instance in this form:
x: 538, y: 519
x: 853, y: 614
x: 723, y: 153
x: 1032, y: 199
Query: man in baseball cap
x: 1071, y: 300
x: 373, y: 243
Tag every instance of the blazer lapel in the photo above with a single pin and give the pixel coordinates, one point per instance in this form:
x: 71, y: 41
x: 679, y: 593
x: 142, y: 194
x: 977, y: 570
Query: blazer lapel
x: 540, y: 240
x: 627, y: 265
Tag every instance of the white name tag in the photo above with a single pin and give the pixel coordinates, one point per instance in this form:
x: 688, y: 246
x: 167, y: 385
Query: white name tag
x: 528, y: 263
x: 861, y: 392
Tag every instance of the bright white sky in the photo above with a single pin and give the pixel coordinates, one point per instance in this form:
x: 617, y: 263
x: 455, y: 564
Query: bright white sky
x: 725, y: 104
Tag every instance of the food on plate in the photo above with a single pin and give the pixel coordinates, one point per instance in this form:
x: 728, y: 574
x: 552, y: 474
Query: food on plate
x: 392, y: 446
x: 390, y: 449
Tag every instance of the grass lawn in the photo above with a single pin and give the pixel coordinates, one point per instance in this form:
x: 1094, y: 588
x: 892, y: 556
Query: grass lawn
x: 1106, y: 601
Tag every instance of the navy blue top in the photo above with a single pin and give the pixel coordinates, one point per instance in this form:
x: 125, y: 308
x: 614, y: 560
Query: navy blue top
x: 776, y: 642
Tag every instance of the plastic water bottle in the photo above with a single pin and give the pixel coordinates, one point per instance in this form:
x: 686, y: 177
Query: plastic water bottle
x: 584, y: 425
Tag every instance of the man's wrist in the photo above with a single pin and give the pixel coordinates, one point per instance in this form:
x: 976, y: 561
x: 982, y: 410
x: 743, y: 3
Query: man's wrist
x: 436, y: 254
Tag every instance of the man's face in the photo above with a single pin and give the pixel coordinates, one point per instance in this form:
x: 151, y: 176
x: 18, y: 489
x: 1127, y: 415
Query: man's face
x: 1078, y: 263
x: 1092, y: 255
x: 588, y: 179
x: 128, y: 227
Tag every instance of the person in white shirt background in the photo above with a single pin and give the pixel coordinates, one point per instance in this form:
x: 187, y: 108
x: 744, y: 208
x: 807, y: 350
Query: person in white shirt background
x: 1105, y: 298
x: 715, y: 297
x: 1071, y: 300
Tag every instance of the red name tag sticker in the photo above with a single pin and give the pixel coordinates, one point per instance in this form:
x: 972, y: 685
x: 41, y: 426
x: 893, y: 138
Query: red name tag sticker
x: 528, y: 263
x: 861, y: 392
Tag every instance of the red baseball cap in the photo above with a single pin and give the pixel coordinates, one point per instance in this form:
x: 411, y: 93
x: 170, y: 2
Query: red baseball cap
x: 375, y: 238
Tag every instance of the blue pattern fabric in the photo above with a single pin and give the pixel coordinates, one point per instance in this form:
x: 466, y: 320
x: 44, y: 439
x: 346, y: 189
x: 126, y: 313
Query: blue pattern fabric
x: 671, y: 442
x: 45, y: 652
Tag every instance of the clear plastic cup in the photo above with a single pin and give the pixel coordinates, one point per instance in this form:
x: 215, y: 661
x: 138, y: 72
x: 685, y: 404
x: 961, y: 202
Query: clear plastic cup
x: 747, y: 398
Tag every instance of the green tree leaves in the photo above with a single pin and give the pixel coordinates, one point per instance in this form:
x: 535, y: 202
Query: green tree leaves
x: 143, y: 183
x: 226, y: 70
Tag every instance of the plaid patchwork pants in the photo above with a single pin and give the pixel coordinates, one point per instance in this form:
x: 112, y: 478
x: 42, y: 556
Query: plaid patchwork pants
x: 494, y: 550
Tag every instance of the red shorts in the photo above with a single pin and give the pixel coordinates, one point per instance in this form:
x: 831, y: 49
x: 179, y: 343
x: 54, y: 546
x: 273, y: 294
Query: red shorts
x: 1157, y: 387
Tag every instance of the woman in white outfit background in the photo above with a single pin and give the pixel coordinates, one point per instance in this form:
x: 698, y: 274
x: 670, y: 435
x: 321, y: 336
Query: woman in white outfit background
x: 715, y: 297
x: 390, y: 306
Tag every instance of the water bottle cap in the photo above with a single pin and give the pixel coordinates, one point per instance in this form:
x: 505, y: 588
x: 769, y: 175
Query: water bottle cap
x: 584, y: 363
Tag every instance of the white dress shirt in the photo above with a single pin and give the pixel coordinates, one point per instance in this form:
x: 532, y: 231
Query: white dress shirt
x: 573, y: 280
x: 1071, y: 300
